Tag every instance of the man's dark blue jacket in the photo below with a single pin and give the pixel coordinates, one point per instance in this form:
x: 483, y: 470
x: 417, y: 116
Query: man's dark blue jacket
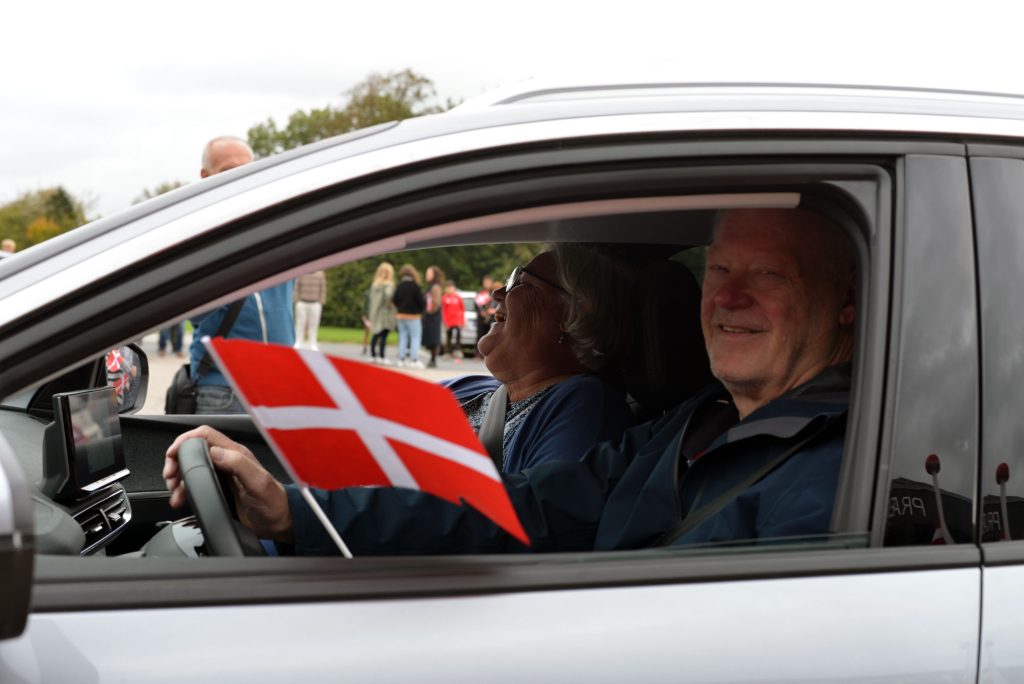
x: 623, y: 496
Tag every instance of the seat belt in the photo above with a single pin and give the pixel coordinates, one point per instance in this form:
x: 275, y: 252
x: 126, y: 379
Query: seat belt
x: 697, y: 517
x: 492, y: 427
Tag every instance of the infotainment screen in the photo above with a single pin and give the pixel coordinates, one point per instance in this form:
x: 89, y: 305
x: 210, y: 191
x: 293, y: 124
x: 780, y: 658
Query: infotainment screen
x: 92, y: 435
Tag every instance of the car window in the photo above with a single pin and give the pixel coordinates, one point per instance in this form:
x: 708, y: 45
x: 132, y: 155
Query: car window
x: 348, y: 332
x: 146, y: 440
x: 931, y: 497
x: 1000, y: 248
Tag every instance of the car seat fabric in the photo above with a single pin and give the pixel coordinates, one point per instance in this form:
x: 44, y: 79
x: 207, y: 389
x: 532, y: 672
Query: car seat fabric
x: 669, y: 363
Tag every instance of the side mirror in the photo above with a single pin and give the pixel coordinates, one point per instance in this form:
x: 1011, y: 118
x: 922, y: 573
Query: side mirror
x: 127, y: 371
x: 16, y: 547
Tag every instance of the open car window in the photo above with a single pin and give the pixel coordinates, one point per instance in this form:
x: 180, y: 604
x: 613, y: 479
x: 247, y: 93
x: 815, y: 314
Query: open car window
x: 653, y: 377
x: 641, y: 232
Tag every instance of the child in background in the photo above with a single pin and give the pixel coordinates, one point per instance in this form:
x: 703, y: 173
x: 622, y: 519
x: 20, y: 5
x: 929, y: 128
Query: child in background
x: 453, y: 313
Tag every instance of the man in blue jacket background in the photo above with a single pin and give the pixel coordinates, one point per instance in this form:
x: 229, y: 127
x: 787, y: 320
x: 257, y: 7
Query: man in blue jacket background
x: 265, y: 316
x: 754, y: 456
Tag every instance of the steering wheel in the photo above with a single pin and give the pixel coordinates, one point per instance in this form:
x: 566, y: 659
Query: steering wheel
x: 224, y: 536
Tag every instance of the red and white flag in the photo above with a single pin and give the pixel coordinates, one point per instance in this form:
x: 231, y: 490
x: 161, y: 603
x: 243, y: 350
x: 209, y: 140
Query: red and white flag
x: 336, y: 423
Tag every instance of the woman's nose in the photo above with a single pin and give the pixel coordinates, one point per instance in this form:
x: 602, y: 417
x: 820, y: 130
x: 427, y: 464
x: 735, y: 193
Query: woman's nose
x: 499, y: 294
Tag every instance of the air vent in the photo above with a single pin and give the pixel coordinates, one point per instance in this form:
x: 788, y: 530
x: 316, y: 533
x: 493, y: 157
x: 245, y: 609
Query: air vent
x: 104, y: 520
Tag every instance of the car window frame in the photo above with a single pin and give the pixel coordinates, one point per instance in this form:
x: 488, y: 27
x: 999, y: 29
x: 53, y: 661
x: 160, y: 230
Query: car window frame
x: 815, y: 166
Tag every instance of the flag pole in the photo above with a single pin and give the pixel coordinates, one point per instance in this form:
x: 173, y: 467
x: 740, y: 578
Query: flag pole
x: 322, y: 517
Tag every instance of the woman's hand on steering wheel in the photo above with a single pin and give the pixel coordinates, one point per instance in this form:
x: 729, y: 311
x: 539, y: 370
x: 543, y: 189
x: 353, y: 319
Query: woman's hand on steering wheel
x: 260, y: 500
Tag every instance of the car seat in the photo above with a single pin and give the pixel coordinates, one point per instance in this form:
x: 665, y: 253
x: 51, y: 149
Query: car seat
x: 669, y: 362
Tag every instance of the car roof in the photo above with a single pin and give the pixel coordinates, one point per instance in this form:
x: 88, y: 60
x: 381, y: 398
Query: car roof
x: 750, y: 97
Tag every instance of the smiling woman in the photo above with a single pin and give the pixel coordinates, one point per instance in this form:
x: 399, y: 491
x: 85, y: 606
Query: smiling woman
x: 560, y: 321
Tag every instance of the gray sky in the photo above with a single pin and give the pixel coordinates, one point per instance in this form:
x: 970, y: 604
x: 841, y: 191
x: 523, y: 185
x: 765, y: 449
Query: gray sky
x: 111, y: 98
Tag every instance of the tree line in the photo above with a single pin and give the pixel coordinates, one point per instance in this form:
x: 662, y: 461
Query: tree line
x: 39, y: 215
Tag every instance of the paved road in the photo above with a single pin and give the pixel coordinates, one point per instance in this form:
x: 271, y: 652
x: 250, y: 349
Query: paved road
x: 162, y: 368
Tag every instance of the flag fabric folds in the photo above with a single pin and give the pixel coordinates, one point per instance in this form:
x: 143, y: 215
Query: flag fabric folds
x: 337, y: 423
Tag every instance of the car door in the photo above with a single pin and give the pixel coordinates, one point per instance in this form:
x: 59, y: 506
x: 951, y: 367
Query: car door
x: 996, y: 174
x: 800, y: 610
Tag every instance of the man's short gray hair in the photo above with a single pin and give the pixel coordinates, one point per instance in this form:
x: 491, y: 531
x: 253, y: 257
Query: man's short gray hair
x: 221, y: 138
x: 597, y: 314
x: 836, y: 248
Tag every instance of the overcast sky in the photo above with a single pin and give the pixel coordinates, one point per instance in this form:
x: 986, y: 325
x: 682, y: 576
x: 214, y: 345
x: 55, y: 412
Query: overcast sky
x: 111, y: 98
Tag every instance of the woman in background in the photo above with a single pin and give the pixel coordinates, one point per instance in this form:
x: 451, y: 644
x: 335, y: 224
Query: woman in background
x: 432, y: 313
x: 409, y: 306
x: 381, y: 311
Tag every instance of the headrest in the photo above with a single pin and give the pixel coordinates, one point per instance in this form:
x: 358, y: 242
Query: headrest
x: 669, y: 363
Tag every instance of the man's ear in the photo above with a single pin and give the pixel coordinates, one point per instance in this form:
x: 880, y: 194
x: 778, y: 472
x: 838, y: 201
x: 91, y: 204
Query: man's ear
x: 848, y: 312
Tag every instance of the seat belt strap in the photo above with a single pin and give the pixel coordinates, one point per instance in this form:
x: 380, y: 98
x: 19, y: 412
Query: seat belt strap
x: 492, y: 428
x: 225, y: 327
x: 695, y: 518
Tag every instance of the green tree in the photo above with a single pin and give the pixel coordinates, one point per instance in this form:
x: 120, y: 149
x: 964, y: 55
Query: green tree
x: 41, y: 229
x: 41, y: 214
x: 377, y: 99
x: 166, y: 186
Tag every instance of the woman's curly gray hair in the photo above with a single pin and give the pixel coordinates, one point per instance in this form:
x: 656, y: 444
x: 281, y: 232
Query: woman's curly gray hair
x: 597, y: 316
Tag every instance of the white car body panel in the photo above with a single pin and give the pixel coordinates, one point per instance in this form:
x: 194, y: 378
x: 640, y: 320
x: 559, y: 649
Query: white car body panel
x: 1002, y: 628
x: 888, y: 627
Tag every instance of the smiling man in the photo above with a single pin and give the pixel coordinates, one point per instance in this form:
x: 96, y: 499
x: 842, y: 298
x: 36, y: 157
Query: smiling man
x: 754, y: 456
x: 772, y: 287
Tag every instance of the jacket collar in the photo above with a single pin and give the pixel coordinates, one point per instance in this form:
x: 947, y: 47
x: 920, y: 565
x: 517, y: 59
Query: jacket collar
x: 827, y: 394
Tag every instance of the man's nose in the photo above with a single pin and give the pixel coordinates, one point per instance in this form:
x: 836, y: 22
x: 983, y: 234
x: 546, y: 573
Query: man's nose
x: 732, y: 295
x: 499, y: 294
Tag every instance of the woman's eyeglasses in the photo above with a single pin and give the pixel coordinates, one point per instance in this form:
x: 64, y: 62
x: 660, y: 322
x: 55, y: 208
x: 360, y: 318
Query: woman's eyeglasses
x: 516, y: 279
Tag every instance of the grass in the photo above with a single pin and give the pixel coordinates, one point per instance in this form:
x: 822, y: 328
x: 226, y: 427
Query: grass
x: 344, y: 335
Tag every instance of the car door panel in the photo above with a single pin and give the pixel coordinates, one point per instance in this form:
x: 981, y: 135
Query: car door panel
x: 878, y: 627
x: 997, y: 181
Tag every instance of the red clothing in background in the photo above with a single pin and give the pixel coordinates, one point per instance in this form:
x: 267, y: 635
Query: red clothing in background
x: 453, y: 312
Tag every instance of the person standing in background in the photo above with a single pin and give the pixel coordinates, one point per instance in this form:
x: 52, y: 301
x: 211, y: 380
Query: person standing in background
x: 174, y: 334
x: 453, y: 313
x: 264, y: 316
x: 310, y: 295
x: 409, y: 304
x: 432, y: 313
x: 7, y: 247
x: 380, y: 310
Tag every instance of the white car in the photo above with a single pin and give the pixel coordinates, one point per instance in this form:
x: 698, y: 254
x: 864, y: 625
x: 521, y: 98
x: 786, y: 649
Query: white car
x: 928, y: 183
x: 469, y: 329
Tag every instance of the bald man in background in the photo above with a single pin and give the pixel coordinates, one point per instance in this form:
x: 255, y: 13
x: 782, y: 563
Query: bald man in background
x: 265, y: 316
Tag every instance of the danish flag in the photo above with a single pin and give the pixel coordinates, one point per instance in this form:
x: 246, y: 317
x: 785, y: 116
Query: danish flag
x: 114, y: 360
x: 336, y: 423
